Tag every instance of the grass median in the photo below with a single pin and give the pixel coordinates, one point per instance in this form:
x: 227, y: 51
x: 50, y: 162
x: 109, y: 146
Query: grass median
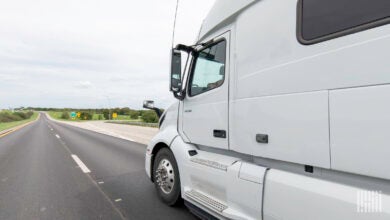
x: 9, y: 125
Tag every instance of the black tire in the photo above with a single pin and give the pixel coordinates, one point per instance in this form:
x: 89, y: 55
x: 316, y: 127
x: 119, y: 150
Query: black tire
x: 173, y: 197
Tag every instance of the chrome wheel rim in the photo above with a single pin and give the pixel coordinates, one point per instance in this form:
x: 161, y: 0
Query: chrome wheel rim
x: 165, y: 176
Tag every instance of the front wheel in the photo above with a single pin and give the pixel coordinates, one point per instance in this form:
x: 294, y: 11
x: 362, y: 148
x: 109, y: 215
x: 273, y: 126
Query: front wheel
x: 166, y: 177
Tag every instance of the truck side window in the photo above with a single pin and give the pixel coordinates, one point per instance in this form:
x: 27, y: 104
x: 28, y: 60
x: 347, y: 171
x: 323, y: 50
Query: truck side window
x: 321, y: 20
x: 209, y: 70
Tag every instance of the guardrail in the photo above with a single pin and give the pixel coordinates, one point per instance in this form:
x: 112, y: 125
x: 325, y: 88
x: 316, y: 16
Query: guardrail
x: 136, y: 123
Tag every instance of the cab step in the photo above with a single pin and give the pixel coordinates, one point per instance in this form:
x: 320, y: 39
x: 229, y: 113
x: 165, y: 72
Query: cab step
x: 206, y: 201
x: 198, y: 212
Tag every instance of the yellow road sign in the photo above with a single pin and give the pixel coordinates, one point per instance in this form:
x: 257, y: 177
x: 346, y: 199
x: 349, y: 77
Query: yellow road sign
x: 78, y: 114
x: 114, y: 115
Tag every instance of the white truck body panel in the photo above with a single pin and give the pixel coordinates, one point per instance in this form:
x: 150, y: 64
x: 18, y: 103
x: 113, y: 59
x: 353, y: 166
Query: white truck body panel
x: 324, y: 108
x: 242, y: 196
x: 271, y: 68
x: 219, y: 13
x: 360, y: 128
x: 270, y: 61
x: 297, y: 197
x: 297, y: 126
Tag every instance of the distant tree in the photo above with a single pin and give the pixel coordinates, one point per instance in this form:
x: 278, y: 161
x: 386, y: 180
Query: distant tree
x: 149, y: 117
x: 65, y: 115
x: 134, y: 114
x: 7, y: 116
x: 124, y: 111
x: 29, y: 114
x: 85, y: 116
x: 106, y: 114
x: 21, y: 115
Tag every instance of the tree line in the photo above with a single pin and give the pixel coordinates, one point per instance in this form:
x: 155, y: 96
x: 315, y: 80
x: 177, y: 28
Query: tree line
x: 148, y: 116
x: 7, y: 116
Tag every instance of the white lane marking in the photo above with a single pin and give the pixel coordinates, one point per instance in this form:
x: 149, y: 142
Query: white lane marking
x: 118, y: 200
x: 57, y: 136
x: 80, y: 163
x: 126, y: 138
x: 51, y: 129
x: 100, y: 182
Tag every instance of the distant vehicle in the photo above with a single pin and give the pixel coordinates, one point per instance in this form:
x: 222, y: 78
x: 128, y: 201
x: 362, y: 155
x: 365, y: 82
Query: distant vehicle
x: 283, y: 113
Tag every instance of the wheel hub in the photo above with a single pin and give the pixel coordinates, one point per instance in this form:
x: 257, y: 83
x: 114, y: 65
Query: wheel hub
x: 165, y: 176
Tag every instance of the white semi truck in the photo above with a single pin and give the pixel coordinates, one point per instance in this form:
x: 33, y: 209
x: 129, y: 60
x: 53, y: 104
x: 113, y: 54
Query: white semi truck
x: 283, y: 113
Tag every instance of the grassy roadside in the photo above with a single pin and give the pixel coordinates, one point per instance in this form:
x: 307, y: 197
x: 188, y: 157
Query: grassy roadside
x: 121, y: 119
x: 8, y: 125
x: 57, y: 116
x: 95, y: 117
x: 136, y: 123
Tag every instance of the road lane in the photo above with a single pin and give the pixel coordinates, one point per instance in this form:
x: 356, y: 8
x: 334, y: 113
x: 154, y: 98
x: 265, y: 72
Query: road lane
x: 39, y: 180
x: 120, y: 165
x: 43, y: 180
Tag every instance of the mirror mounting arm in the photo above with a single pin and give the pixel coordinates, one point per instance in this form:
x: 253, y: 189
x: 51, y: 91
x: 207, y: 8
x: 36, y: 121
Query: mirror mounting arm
x: 179, y: 95
x: 158, y: 111
x: 185, y: 48
x: 149, y: 104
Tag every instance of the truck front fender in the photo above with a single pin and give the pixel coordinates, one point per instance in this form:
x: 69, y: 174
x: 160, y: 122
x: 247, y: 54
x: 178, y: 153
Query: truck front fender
x: 163, y: 139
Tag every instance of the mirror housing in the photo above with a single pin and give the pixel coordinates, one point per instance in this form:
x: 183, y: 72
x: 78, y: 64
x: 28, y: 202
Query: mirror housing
x: 175, y: 82
x: 149, y: 104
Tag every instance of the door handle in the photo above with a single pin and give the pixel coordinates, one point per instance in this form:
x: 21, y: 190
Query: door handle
x: 262, y: 138
x: 219, y: 133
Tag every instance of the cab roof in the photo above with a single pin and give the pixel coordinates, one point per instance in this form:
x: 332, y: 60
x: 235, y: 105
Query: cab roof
x: 221, y: 11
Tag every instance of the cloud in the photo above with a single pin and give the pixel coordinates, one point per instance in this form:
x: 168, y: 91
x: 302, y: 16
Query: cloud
x: 117, y: 48
x: 8, y: 77
x: 83, y: 85
x: 117, y: 79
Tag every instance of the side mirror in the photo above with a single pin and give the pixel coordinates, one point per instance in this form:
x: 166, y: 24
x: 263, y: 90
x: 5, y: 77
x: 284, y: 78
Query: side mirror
x: 175, y: 83
x: 149, y: 104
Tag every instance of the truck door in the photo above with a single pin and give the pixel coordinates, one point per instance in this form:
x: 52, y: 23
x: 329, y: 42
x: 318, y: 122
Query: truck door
x: 205, y: 108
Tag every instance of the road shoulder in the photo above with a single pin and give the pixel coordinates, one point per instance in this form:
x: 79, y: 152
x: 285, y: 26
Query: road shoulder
x: 137, y: 134
x: 13, y: 129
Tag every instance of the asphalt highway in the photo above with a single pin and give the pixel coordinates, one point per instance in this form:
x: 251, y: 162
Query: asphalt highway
x: 50, y: 170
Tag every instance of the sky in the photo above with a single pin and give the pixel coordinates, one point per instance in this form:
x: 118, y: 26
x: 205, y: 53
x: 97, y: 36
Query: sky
x: 91, y: 53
